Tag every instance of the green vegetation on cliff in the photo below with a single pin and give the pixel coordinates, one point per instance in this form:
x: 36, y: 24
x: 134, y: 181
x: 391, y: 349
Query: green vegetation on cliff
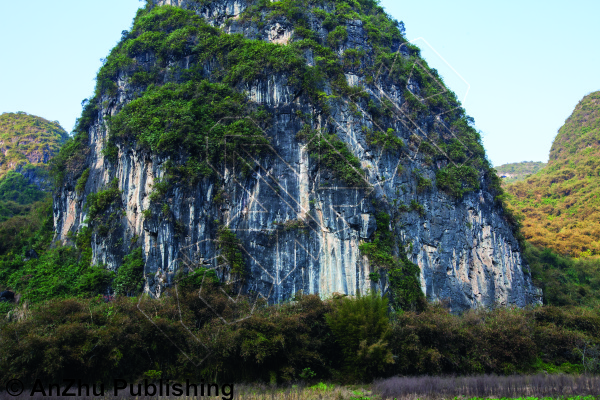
x: 70, y: 161
x: 392, y: 263
x: 223, y: 62
x: 559, y: 205
x: 200, y: 120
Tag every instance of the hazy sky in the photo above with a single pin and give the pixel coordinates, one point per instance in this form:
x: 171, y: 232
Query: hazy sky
x: 521, y: 66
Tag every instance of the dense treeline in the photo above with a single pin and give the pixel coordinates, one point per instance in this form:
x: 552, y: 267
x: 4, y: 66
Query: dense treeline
x: 181, y: 337
x: 565, y: 281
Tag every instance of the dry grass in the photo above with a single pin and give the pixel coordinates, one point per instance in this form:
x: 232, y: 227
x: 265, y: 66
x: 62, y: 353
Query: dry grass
x: 488, y: 386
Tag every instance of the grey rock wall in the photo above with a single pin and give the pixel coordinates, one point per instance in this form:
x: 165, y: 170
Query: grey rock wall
x: 299, y: 227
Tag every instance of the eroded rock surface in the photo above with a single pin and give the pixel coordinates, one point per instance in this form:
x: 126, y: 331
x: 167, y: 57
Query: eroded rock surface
x: 299, y: 227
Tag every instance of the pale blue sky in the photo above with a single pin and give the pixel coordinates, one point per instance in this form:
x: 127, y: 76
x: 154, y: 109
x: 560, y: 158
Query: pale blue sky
x: 527, y: 64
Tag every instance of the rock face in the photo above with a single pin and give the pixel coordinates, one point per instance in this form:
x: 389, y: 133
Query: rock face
x: 299, y: 226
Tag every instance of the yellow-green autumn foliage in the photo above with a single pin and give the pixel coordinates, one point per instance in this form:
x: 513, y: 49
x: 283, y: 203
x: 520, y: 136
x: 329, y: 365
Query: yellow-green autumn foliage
x: 28, y: 139
x: 560, y: 205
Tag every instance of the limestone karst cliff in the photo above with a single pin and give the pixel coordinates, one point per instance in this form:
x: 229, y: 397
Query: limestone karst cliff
x: 303, y: 143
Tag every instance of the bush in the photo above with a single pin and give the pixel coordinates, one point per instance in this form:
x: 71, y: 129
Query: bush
x: 388, y: 140
x: 344, y: 338
x: 362, y: 329
x: 99, y: 202
x: 57, y: 273
x: 423, y: 184
x: 565, y: 281
x: 196, y: 278
x: 14, y: 187
x: 130, y: 275
x: 456, y: 181
x: 337, y: 37
x: 31, y: 228
x: 94, y: 280
x: 5, y: 307
x: 501, y: 341
x: 416, y: 206
x: 82, y: 181
x: 108, y: 340
x: 333, y: 155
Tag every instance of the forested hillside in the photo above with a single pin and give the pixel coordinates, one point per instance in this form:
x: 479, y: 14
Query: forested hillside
x: 560, y: 205
x: 560, y: 211
x: 27, y: 144
x: 27, y: 139
x: 515, y: 172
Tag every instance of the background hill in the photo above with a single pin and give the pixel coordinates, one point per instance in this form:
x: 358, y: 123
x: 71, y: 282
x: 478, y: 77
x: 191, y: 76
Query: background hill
x: 27, y: 144
x: 559, y: 209
x: 560, y: 204
x: 514, y: 172
x: 27, y: 139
